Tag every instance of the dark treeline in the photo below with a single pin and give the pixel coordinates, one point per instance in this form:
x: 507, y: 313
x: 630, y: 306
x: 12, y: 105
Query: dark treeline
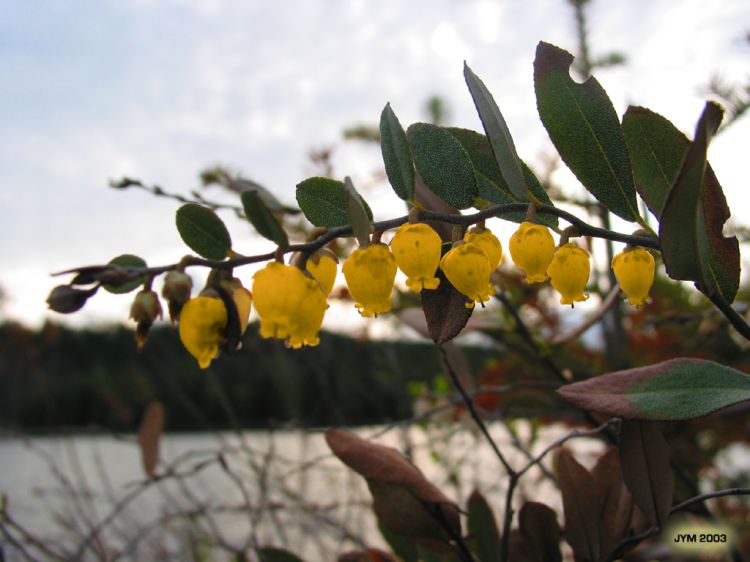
x: 58, y: 377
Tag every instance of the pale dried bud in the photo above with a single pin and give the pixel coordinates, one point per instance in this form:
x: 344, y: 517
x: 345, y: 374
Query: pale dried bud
x: 146, y: 306
x: 145, y: 309
x: 177, y: 288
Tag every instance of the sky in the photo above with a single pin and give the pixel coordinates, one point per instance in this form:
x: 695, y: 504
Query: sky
x: 93, y: 90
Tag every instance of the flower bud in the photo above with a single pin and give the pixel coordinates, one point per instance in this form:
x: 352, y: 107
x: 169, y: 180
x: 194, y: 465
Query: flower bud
x: 370, y: 273
x: 416, y: 249
x: 634, y: 270
x: 145, y: 309
x: 66, y: 299
x: 531, y: 249
x: 467, y: 268
x: 488, y: 242
x: 569, y: 273
x: 176, y: 290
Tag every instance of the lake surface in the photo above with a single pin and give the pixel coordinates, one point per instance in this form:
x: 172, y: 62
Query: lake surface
x: 87, y: 498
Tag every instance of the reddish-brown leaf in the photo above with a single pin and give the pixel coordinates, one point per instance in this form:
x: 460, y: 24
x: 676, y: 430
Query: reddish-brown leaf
x: 541, y: 531
x: 149, y: 436
x: 403, y: 499
x: 615, y: 501
x: 580, y: 507
x: 367, y: 555
x: 445, y: 310
x: 646, y: 470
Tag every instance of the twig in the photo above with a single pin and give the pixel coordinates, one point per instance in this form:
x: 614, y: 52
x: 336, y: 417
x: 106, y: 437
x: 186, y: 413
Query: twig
x: 473, y: 411
x: 599, y: 313
x: 708, y: 496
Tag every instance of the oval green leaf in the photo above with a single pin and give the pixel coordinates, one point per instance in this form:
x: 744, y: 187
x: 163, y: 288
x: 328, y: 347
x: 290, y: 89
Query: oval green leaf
x: 324, y: 203
x: 399, y: 166
x: 261, y: 217
x: 585, y: 129
x: 443, y: 164
x: 203, y: 231
x: 498, y: 134
x: 678, y: 389
x: 126, y: 260
x: 490, y: 183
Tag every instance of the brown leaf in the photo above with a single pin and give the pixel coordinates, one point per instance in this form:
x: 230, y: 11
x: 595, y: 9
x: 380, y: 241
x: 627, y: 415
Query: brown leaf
x: 645, y: 461
x: 445, y: 310
x: 403, y: 499
x: 615, y: 501
x: 580, y: 507
x: 149, y: 435
x: 541, y: 531
x: 367, y: 555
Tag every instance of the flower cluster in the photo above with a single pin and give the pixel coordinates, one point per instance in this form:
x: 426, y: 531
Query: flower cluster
x: 568, y: 266
x: 291, y: 300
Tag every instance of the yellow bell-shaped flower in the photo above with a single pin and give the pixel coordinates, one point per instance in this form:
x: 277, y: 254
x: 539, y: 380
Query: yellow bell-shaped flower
x: 569, y: 273
x: 290, y: 304
x: 634, y: 270
x: 531, y: 249
x: 203, y: 321
x: 369, y: 274
x: 489, y: 243
x: 416, y: 248
x: 467, y: 268
x: 323, y: 268
x: 243, y: 299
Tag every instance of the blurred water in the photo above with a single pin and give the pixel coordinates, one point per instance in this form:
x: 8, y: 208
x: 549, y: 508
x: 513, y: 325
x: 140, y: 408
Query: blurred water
x: 299, y: 495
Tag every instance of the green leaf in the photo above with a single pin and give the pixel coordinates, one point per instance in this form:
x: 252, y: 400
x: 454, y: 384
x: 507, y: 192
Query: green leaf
x: 324, y: 203
x: 483, y: 528
x: 490, y: 183
x: 126, y: 260
x: 357, y: 213
x: 678, y: 389
x: 401, y: 546
x: 658, y: 150
x: 585, y: 129
x: 203, y: 231
x: 443, y: 164
x: 261, y: 217
x: 270, y: 554
x: 394, y: 145
x: 498, y: 135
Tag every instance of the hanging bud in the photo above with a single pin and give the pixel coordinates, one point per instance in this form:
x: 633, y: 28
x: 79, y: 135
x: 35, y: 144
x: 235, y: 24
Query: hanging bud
x: 370, y: 273
x: 416, y: 249
x: 145, y: 309
x: 467, y: 268
x: 66, y: 299
x: 531, y: 249
x: 176, y: 290
x: 203, y: 321
x: 569, y: 273
x: 488, y: 242
x: 634, y: 270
